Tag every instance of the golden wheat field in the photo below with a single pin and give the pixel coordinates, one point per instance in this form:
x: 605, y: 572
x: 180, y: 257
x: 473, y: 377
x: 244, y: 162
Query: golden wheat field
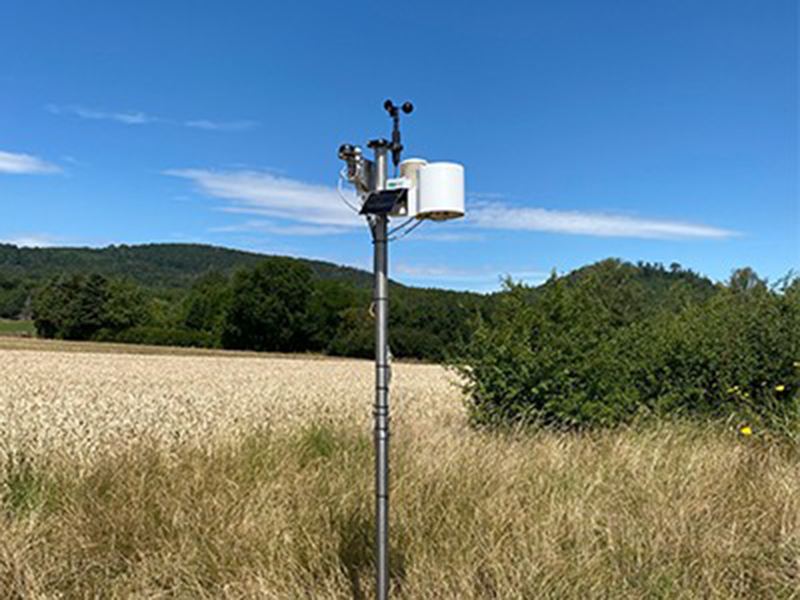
x: 87, y: 403
x: 218, y: 475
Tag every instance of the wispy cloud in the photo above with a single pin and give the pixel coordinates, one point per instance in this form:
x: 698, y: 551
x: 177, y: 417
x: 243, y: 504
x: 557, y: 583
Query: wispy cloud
x: 128, y: 117
x: 318, y: 210
x: 438, y: 272
x: 32, y: 240
x: 74, y: 161
x: 208, y: 125
x: 137, y: 117
x: 486, y: 196
x: 457, y: 236
x: 445, y: 272
x: 497, y: 215
x: 263, y: 226
x: 481, y: 279
x: 25, y: 164
x: 267, y: 195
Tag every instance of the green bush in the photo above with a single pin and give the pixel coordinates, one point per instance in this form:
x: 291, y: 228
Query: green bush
x: 573, y: 355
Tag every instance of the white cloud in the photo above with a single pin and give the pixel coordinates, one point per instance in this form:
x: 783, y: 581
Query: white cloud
x: 438, y: 272
x: 221, y: 125
x: 137, y: 117
x: 427, y: 236
x: 481, y: 279
x: 447, y: 273
x: 485, y: 196
x: 262, y: 226
x: 496, y: 215
x: 33, y: 240
x: 74, y: 161
x: 130, y: 117
x: 318, y: 210
x: 268, y: 195
x: 19, y: 164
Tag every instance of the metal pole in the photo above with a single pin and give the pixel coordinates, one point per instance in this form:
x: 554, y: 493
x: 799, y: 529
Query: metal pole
x: 382, y: 376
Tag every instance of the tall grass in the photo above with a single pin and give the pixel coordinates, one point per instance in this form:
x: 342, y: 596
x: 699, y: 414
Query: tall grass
x: 672, y: 511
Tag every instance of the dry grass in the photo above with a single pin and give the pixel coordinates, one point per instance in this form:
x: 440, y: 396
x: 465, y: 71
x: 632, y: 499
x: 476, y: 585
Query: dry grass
x: 133, y: 476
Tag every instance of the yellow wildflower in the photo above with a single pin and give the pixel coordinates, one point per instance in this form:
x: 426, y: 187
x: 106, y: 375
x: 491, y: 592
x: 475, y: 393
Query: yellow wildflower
x: 780, y: 388
x: 797, y: 364
x: 746, y: 431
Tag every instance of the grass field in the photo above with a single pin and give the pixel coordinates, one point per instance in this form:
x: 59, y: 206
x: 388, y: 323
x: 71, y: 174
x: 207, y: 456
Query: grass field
x: 8, y: 327
x: 53, y: 345
x: 208, y: 476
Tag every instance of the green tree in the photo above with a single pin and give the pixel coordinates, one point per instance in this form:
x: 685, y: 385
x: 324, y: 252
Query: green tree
x: 327, y: 305
x: 71, y: 307
x: 355, y: 335
x: 14, y: 294
x: 269, y: 307
x: 77, y: 307
x: 126, y: 305
x: 205, y: 306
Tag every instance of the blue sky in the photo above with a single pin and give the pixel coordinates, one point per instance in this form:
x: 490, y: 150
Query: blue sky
x: 645, y: 130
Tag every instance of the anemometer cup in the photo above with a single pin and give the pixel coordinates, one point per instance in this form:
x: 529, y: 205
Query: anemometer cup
x: 393, y: 110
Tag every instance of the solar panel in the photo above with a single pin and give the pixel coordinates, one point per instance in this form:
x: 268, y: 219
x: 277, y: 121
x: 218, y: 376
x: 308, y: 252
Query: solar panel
x: 384, y: 202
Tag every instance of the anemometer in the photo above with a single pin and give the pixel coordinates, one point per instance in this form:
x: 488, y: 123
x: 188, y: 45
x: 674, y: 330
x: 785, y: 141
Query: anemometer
x: 423, y: 191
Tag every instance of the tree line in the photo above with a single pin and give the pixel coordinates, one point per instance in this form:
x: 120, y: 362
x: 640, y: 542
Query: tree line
x: 277, y: 305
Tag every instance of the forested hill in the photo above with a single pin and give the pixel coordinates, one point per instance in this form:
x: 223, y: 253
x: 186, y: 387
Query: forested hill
x: 191, y: 294
x: 150, y: 265
x: 639, y: 290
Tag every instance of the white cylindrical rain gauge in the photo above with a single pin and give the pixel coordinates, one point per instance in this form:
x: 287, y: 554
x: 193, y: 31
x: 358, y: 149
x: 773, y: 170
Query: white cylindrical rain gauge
x: 440, y: 191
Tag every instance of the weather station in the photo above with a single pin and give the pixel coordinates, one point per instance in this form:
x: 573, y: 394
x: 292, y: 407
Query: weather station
x: 419, y: 191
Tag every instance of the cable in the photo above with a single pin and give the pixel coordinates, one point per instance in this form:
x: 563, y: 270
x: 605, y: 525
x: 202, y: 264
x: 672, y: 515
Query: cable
x: 406, y: 232
x: 341, y: 191
x: 399, y: 227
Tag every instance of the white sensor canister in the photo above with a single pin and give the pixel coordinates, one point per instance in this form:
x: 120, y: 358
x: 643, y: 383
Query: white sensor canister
x: 440, y: 191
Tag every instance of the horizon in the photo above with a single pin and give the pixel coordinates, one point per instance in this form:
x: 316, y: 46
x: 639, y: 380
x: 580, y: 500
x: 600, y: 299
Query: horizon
x: 500, y: 276
x: 656, y: 134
